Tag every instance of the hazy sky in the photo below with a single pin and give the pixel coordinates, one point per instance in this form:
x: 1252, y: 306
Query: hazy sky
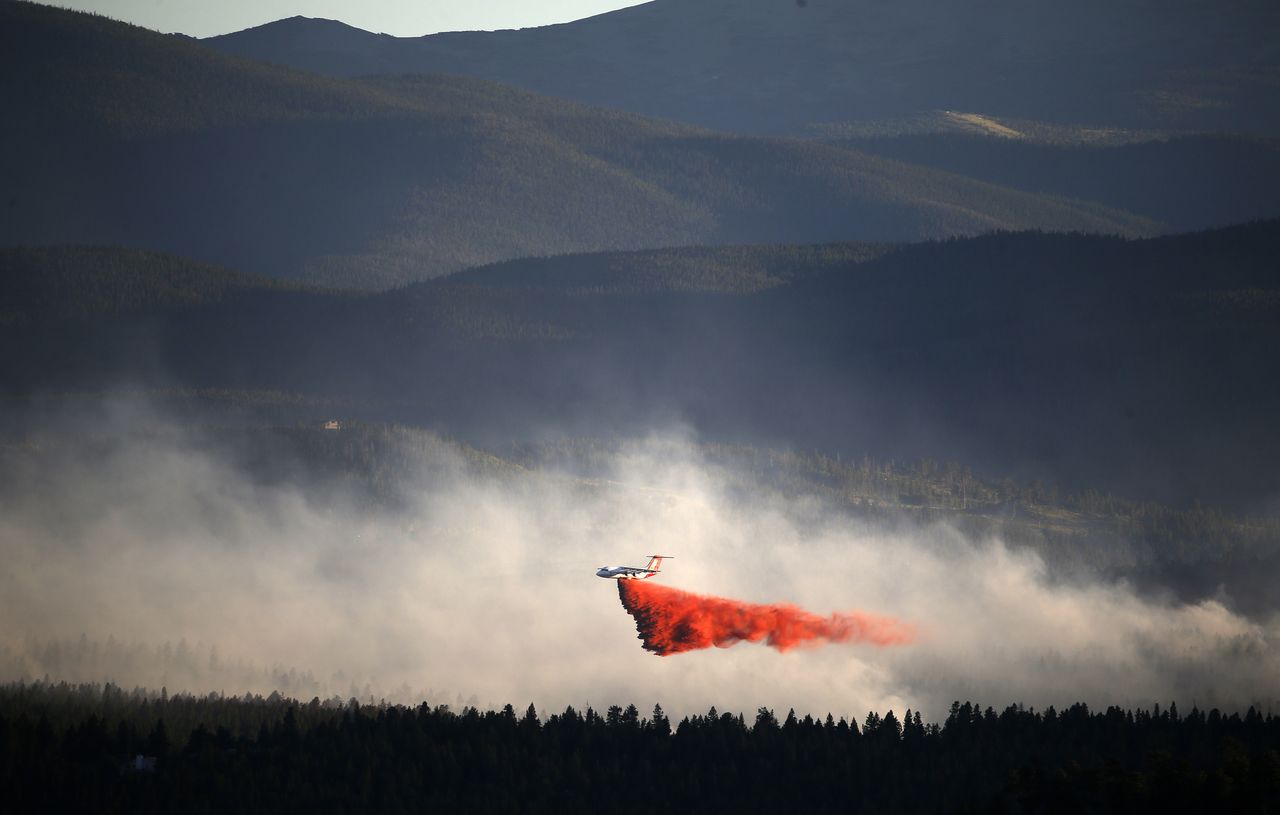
x: 404, y: 18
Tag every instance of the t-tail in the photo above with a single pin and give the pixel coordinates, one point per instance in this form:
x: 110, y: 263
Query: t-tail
x: 655, y: 562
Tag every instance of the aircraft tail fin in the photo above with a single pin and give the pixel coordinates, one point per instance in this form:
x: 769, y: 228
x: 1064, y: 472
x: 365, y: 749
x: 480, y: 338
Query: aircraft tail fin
x: 655, y: 562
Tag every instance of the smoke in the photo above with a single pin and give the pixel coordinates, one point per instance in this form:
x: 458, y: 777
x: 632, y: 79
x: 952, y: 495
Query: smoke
x: 125, y: 525
x: 671, y: 621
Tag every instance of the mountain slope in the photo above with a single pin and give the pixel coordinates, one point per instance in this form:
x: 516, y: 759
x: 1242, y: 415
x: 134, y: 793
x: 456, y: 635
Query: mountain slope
x: 89, y: 282
x: 156, y: 142
x: 774, y: 66
x: 1144, y: 367
x: 1187, y: 182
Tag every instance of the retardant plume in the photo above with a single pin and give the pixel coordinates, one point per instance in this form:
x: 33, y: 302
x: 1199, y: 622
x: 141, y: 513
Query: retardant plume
x: 671, y: 621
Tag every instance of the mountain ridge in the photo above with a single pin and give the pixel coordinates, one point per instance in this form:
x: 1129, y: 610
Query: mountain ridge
x: 155, y: 142
x: 754, y: 66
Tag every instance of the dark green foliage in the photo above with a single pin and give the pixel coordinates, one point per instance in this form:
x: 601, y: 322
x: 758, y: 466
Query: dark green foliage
x: 85, y: 282
x: 724, y: 270
x: 73, y: 747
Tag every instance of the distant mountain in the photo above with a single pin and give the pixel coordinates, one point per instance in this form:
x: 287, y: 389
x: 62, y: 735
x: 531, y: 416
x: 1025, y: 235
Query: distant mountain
x: 1149, y: 368
x: 118, y: 135
x: 776, y: 66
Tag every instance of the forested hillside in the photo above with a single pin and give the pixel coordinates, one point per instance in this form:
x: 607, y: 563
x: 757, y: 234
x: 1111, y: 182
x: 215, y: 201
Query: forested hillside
x: 1164, y: 112
x: 1143, y: 368
x: 82, y: 282
x: 1187, y: 182
x: 159, y: 143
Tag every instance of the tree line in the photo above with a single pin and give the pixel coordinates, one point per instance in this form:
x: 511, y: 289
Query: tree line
x: 78, y: 747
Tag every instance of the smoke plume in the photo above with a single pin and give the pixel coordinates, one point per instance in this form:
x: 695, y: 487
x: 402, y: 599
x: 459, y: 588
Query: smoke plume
x: 671, y: 621
x: 478, y: 586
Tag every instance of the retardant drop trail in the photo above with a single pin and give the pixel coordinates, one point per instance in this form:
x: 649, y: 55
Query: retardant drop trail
x: 671, y: 621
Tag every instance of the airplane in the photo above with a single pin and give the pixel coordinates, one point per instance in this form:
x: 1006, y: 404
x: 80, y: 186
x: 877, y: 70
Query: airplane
x: 633, y: 572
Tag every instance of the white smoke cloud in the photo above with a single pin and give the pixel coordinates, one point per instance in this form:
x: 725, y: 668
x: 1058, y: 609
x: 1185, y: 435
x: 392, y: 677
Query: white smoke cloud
x: 483, y: 588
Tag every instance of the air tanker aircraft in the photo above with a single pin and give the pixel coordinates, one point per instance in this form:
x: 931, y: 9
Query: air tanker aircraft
x: 633, y: 572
